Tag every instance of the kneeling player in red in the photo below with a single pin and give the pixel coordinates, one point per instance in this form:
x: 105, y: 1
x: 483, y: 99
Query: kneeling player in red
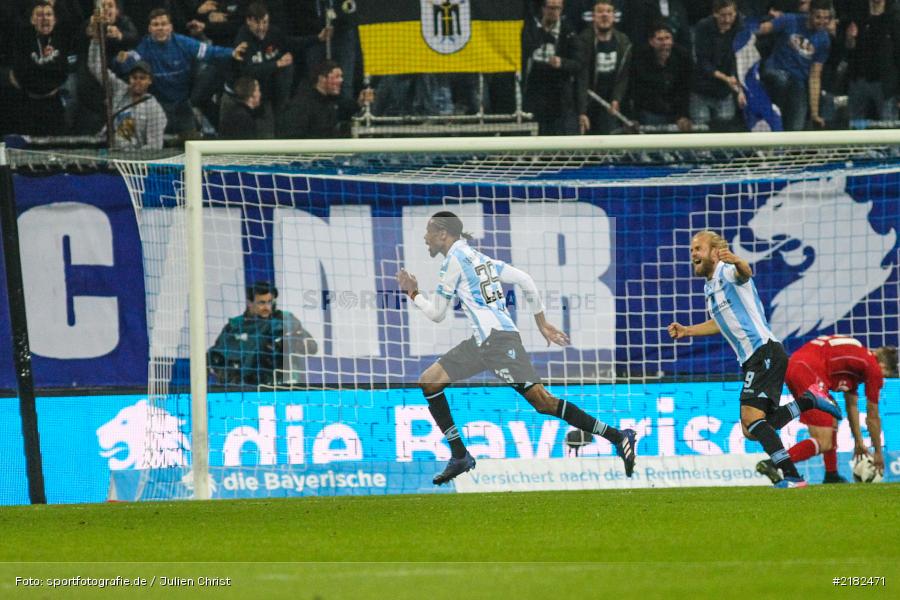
x: 837, y: 363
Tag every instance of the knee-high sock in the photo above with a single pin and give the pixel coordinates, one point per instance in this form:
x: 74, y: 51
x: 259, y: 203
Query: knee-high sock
x: 790, y: 411
x: 440, y: 412
x: 803, y: 450
x: 576, y: 417
x: 830, y: 457
x: 771, y: 443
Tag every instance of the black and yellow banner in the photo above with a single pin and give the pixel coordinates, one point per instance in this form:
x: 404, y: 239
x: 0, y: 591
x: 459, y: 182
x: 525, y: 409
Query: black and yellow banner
x: 440, y: 36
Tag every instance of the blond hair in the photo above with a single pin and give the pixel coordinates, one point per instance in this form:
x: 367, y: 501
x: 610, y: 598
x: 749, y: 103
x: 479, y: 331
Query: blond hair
x: 716, y: 241
x: 887, y: 355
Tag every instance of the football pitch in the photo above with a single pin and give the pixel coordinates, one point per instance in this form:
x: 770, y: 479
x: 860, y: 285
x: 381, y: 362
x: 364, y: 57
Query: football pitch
x: 665, y: 543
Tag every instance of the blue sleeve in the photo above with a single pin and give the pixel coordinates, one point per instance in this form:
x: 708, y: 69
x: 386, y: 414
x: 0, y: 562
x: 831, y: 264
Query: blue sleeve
x: 201, y: 50
x: 783, y: 22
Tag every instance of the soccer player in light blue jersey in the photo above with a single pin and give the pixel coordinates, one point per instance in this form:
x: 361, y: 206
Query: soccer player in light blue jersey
x: 475, y: 280
x: 737, y: 313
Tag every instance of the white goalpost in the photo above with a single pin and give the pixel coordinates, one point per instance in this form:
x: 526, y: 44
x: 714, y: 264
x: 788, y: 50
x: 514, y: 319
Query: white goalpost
x: 603, y: 225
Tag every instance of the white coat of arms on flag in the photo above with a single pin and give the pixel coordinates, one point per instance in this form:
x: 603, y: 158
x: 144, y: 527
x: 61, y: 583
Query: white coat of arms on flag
x: 446, y: 24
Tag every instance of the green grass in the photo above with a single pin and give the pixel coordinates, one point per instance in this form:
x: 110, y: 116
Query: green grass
x: 671, y: 543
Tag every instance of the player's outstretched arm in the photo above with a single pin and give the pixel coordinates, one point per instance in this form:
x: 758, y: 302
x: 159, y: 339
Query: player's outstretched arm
x: 744, y: 272
x: 550, y: 332
x: 678, y: 331
x: 851, y: 403
x: 873, y: 424
x: 435, y: 309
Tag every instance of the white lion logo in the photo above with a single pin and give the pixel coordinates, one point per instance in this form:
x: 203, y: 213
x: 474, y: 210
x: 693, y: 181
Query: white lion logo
x: 149, y: 436
x: 847, y: 253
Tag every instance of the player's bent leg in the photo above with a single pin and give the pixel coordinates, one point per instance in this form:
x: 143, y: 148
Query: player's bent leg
x: 433, y: 382
x: 830, y: 460
x: 434, y: 379
x: 546, y: 403
x: 823, y: 436
x: 753, y: 421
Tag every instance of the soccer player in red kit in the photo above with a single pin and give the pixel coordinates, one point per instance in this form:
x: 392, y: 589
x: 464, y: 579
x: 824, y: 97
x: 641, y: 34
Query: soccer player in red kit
x: 837, y: 363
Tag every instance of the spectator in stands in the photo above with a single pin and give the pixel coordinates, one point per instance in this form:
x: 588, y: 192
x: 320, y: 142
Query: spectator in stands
x: 873, y: 46
x: 254, y: 347
x: 641, y: 15
x: 173, y: 57
x: 267, y: 58
x: 121, y: 35
x: 138, y: 118
x: 548, y: 46
x: 716, y: 90
x: 242, y: 116
x: 661, y: 81
x: 214, y: 21
x: 40, y: 67
x: 319, y: 110
x: 68, y: 14
x: 793, y: 73
x: 605, y: 65
x: 320, y: 26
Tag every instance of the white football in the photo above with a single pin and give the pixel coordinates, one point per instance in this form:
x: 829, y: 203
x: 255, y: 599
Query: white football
x: 864, y: 470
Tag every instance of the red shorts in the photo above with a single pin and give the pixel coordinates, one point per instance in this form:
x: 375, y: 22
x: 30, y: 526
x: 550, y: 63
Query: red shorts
x: 804, y: 370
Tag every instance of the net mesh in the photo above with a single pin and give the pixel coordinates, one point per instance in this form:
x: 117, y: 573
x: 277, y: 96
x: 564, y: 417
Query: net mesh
x: 605, y: 236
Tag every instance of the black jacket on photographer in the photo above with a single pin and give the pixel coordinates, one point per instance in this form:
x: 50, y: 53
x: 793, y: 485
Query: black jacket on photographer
x: 549, y: 92
x: 250, y: 349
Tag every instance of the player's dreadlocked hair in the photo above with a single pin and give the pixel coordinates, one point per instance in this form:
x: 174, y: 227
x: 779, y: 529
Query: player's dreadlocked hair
x: 888, y: 356
x: 716, y: 241
x: 450, y: 223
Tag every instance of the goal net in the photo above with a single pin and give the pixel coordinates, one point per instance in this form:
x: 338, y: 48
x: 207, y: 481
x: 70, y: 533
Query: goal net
x: 329, y: 403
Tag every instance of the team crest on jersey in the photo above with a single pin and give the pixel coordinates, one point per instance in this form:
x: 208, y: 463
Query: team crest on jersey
x: 789, y: 223
x: 446, y: 24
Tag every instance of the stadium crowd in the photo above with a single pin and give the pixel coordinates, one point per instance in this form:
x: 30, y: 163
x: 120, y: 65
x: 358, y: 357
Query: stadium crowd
x: 248, y: 69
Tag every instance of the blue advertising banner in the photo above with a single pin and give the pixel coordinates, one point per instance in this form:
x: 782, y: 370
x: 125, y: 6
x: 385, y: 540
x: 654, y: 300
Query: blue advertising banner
x: 84, y: 284
x: 370, y: 442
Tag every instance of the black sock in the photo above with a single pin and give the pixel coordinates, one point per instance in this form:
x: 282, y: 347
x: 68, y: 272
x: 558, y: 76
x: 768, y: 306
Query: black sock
x: 576, y: 417
x: 771, y: 443
x: 784, y: 415
x: 440, y: 412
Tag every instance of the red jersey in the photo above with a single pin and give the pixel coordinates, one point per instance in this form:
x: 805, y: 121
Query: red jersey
x: 842, y: 363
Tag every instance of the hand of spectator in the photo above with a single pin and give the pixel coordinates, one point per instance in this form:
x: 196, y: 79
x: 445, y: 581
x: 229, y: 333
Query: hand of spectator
x: 584, y: 124
x: 775, y: 13
x: 286, y: 60
x: 239, y: 51
x: 555, y: 62
x: 217, y: 17
x: 326, y: 34
x: 685, y: 125
x: 741, y: 100
x: 818, y: 121
x: 122, y: 56
x: 195, y: 27
x: 113, y: 32
x: 614, y: 107
x: 366, y: 96
x: 207, y: 7
x: 13, y: 81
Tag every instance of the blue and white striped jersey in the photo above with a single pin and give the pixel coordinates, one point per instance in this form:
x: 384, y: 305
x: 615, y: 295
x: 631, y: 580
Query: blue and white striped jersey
x: 737, y: 311
x: 474, y: 278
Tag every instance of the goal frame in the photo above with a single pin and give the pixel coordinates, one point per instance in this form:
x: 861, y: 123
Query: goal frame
x: 195, y: 151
